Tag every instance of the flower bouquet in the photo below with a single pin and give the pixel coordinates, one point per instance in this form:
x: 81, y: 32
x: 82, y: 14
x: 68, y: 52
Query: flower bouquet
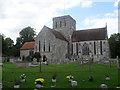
x: 70, y: 77
x: 39, y: 82
x: 22, y: 77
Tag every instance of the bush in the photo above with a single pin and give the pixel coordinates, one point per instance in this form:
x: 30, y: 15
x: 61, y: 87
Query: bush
x: 28, y: 58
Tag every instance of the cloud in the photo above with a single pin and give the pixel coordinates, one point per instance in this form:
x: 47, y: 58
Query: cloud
x: 86, y: 4
x: 116, y: 3
x: 18, y: 14
x: 114, y: 14
x: 109, y: 18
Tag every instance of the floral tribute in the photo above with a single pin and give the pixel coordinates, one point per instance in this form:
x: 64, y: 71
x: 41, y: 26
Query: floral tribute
x: 70, y: 77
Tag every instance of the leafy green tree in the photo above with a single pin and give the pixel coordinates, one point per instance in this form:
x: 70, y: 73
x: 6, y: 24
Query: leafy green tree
x: 114, y: 42
x: 27, y: 34
x: 16, y: 47
x: 2, y: 37
x: 9, y: 42
x: 9, y: 45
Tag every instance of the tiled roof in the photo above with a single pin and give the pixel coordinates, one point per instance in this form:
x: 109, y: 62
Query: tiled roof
x: 28, y: 45
x: 58, y: 35
x: 89, y: 34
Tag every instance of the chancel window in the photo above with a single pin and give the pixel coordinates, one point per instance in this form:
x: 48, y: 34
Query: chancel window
x: 56, y: 25
x: 77, y: 48
x: 64, y: 22
x: 72, y: 49
x: 60, y: 23
x: 85, y: 49
x: 39, y: 45
x: 101, y: 47
x: 44, y: 47
x: 49, y: 47
x: 94, y: 48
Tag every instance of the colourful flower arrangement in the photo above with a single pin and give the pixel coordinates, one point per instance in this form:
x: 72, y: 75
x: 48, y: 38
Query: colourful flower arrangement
x: 70, y: 77
x: 23, y: 76
x: 40, y: 79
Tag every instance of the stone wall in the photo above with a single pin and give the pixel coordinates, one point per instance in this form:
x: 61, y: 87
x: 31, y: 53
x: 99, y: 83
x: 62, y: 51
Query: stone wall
x: 25, y: 53
x: 22, y: 65
x: 58, y: 47
x: 67, y: 29
x: 97, y: 56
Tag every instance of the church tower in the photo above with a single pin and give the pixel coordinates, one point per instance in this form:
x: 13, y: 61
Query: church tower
x: 65, y: 25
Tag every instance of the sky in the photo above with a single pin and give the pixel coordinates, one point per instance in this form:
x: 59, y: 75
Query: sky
x: 18, y: 14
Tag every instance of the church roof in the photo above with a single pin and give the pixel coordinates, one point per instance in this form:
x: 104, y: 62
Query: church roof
x: 28, y: 45
x: 89, y: 34
x: 58, y: 35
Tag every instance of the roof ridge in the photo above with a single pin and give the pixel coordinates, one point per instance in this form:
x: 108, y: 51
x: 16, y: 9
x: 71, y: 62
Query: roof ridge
x: 91, y: 29
x: 28, y: 45
x: 58, y: 34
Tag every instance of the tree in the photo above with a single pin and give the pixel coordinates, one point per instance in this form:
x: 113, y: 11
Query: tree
x: 17, y: 47
x: 114, y: 42
x: 2, y: 37
x: 27, y: 34
x: 7, y: 44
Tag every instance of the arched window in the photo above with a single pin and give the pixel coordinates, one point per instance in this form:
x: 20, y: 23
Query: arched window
x: 94, y: 48
x: 77, y: 48
x: 60, y: 23
x: 56, y: 25
x: 72, y: 49
x: 101, y: 47
x: 49, y: 47
x: 64, y: 22
x: 85, y: 49
x: 44, y: 47
x: 39, y: 45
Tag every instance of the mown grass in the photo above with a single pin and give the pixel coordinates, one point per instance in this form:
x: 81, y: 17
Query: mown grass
x: 81, y: 74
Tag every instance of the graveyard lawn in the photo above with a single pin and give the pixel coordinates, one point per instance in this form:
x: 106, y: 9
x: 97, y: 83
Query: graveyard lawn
x: 81, y: 74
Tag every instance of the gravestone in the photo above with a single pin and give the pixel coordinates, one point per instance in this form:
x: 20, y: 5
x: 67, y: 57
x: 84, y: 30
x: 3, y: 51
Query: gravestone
x: 34, y: 62
x: 22, y: 64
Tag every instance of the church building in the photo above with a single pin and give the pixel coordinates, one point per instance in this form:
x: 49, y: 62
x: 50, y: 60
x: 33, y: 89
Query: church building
x: 63, y: 43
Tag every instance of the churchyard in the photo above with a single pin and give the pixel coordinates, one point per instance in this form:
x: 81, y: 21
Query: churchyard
x: 81, y: 74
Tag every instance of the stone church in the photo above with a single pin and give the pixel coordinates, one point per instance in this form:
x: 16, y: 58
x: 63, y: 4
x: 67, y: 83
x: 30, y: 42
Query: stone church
x: 63, y: 43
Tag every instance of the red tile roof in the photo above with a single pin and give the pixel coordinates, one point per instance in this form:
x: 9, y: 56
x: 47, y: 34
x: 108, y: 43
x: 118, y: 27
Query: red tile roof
x: 28, y: 45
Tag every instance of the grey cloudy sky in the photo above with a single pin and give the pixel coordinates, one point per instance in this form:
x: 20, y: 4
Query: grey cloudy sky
x: 18, y: 14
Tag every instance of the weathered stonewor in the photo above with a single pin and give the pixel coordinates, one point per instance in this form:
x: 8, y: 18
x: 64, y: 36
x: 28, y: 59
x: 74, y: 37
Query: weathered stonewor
x: 22, y: 64
x: 34, y: 62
